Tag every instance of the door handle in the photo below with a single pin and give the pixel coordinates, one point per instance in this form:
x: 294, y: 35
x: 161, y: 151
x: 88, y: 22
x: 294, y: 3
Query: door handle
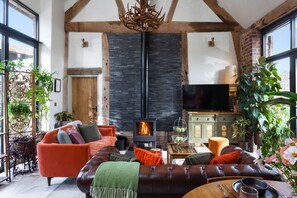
x: 94, y: 108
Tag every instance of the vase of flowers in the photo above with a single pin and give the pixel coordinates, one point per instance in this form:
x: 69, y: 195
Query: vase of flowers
x: 285, y: 160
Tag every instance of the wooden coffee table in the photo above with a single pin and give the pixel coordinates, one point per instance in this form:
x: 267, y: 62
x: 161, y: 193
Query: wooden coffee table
x: 181, y: 150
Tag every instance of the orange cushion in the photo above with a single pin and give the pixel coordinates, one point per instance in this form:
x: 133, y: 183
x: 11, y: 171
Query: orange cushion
x: 228, y: 158
x: 98, y: 144
x: 147, y: 158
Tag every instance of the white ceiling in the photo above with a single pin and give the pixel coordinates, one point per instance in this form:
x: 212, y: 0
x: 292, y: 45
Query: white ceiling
x: 245, y: 12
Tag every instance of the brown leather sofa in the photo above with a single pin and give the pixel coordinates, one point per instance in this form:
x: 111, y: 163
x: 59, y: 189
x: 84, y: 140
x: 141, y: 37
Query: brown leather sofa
x: 173, y: 180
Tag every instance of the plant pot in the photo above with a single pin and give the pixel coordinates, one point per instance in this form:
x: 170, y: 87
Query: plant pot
x: 244, y: 145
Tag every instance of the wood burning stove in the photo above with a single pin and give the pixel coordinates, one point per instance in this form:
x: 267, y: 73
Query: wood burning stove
x: 144, y: 131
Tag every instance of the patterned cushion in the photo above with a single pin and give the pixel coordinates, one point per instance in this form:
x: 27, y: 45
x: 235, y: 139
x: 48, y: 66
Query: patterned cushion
x: 63, y: 137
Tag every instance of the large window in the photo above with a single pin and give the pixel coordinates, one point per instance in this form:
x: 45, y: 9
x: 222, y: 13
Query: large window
x: 279, y: 46
x: 18, y: 40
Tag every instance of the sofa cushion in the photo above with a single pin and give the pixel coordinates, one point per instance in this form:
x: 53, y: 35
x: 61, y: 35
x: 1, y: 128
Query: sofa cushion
x: 98, y: 144
x: 147, y: 158
x: 122, y: 157
x: 89, y: 132
x: 76, y: 137
x: 63, y: 137
x: 229, y: 158
x: 198, y: 158
x: 75, y: 123
x: 119, y: 157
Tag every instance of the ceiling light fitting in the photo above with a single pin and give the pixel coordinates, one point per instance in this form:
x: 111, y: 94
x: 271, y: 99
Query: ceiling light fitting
x: 142, y: 17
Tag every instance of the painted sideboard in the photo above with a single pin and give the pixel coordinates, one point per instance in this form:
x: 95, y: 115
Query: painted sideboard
x: 203, y: 125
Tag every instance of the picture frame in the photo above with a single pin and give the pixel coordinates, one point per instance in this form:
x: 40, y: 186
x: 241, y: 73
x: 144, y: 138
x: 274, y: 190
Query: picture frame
x: 57, y: 85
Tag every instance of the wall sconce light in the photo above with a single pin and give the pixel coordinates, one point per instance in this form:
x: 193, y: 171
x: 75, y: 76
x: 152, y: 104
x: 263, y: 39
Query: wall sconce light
x: 211, y: 43
x: 84, y: 43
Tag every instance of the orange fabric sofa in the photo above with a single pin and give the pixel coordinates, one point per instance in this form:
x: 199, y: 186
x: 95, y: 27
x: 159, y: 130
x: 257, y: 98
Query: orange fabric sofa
x: 66, y: 160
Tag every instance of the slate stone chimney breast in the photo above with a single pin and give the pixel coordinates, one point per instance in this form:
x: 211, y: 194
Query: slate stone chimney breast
x: 164, y: 79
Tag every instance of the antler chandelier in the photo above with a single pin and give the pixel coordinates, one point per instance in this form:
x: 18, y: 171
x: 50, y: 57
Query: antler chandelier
x: 142, y: 17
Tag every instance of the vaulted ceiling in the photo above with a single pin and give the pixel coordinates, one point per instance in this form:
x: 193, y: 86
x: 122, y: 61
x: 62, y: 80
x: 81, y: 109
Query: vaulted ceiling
x: 245, y: 12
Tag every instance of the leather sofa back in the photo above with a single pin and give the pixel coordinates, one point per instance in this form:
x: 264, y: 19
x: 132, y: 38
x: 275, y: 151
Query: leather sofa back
x: 173, y: 180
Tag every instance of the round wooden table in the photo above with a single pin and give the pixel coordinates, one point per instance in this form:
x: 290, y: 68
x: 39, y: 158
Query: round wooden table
x: 211, y: 190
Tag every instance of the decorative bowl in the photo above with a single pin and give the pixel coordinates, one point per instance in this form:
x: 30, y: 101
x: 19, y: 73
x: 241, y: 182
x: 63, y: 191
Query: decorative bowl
x: 179, y: 129
x: 179, y: 138
x: 261, y: 186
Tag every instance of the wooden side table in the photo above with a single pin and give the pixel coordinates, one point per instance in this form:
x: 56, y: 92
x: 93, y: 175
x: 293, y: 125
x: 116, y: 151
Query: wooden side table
x: 181, y: 150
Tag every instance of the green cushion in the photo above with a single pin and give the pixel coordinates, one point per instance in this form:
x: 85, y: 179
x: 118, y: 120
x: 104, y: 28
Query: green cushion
x: 63, y: 137
x: 89, y: 132
x: 199, y: 158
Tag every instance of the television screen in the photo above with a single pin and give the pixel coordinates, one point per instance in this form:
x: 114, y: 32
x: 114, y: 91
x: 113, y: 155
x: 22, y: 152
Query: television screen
x: 213, y: 97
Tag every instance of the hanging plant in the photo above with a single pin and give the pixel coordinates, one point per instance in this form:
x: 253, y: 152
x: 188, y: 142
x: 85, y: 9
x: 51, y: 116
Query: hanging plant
x: 43, y: 83
x: 19, y: 109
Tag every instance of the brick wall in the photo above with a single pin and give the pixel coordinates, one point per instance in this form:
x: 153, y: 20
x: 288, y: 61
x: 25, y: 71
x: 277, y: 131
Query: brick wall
x: 251, y: 47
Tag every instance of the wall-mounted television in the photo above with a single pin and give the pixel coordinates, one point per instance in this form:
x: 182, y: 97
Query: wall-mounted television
x: 212, y: 97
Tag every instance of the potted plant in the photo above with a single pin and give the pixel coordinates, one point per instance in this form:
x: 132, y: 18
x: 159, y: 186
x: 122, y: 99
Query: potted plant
x: 240, y: 130
x: 252, y: 92
x: 62, y: 118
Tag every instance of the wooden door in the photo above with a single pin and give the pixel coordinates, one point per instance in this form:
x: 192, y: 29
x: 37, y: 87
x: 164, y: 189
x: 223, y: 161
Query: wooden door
x: 84, y: 99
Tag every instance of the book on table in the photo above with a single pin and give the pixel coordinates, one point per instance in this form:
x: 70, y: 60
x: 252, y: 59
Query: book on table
x: 202, y: 149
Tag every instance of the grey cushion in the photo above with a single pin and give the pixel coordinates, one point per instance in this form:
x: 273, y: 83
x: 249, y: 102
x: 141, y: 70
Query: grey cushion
x: 199, y: 158
x: 63, y: 137
x: 89, y: 132
x: 121, y: 157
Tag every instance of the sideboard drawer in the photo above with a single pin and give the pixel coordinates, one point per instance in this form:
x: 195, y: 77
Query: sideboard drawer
x: 202, y: 118
x: 226, y: 118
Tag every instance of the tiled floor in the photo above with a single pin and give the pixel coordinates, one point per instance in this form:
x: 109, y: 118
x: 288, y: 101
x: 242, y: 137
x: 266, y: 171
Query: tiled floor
x: 34, y: 186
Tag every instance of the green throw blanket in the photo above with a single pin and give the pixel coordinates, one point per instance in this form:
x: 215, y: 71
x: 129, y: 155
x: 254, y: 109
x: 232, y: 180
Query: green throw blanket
x: 116, y: 180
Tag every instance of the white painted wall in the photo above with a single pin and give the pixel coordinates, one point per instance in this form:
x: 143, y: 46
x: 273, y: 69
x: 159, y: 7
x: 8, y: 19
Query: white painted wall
x: 85, y: 57
x: 52, y: 50
x: 207, y: 64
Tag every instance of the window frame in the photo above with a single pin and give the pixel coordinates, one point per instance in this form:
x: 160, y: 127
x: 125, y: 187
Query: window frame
x: 291, y: 53
x: 7, y: 32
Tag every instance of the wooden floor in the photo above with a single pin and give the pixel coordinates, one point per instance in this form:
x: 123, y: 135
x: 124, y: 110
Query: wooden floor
x: 33, y: 186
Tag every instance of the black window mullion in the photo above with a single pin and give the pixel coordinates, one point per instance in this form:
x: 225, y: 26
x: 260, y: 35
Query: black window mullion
x: 5, y: 12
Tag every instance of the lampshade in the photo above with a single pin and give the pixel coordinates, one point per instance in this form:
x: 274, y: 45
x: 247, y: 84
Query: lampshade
x: 230, y: 74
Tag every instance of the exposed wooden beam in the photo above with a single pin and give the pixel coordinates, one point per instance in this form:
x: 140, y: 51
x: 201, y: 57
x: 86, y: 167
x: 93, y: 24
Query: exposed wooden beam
x: 173, y: 27
x: 236, y: 43
x: 75, y: 9
x: 121, y: 8
x: 185, y: 68
x: 220, y: 12
x: 65, y: 81
x: 106, y: 80
x: 282, y: 10
x: 171, y: 11
x: 84, y: 71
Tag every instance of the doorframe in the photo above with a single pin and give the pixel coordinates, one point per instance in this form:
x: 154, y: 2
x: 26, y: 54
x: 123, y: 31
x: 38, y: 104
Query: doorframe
x: 99, y: 93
